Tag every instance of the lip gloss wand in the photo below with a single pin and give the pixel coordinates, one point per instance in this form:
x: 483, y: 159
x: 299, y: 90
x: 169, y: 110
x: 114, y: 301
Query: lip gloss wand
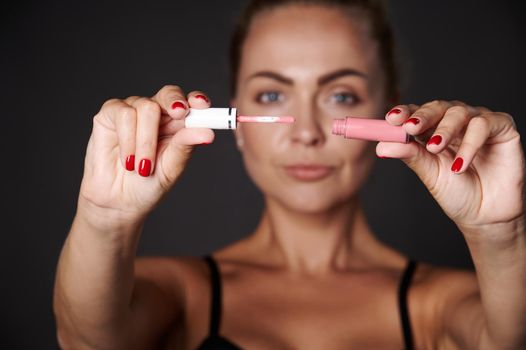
x: 227, y: 118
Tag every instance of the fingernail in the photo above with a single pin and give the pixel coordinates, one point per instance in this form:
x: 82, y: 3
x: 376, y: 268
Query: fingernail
x: 177, y: 104
x: 205, y: 143
x: 144, y: 167
x: 130, y: 162
x: 435, y: 140
x: 202, y: 97
x: 457, y: 165
x: 384, y: 157
x: 412, y: 120
x: 394, y: 111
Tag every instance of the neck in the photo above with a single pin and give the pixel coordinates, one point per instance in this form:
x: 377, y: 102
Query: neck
x: 314, y: 243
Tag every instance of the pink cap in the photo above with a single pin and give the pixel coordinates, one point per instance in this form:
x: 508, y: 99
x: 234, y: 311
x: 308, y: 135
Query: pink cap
x: 369, y: 129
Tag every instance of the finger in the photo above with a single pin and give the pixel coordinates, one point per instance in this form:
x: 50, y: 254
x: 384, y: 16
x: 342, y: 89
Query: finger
x: 148, y: 118
x: 422, y: 122
x: 172, y: 101
x: 126, y: 123
x: 198, y: 99
x: 179, y: 149
x: 425, y: 165
x: 425, y: 117
x: 119, y: 117
x: 450, y: 126
x: 169, y: 126
x: 398, y: 114
x: 401, y: 114
x: 486, y: 128
x: 131, y: 99
x: 477, y: 132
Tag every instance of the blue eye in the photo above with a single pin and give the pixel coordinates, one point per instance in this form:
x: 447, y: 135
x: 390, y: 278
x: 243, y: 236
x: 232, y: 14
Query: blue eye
x: 269, y: 97
x: 345, y: 98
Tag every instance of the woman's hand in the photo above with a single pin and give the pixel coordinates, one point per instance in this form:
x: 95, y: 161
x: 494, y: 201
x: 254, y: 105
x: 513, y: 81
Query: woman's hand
x: 469, y: 158
x: 137, y: 150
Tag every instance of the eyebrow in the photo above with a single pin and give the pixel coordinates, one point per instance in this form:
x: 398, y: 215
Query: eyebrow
x: 324, y: 79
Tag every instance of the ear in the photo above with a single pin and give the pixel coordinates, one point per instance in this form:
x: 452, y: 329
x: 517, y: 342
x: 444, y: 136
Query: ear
x: 238, y: 133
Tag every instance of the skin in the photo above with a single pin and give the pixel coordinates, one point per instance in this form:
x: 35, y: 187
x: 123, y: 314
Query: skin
x: 313, y: 237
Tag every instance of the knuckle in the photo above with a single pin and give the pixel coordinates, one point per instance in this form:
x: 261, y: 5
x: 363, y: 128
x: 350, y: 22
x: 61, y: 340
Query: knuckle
x: 507, y: 116
x: 479, y: 122
x: 170, y: 87
x: 127, y: 113
x: 131, y: 99
x: 110, y: 102
x: 434, y: 103
x: 458, y: 103
x: 148, y: 105
x: 483, y: 109
x: 459, y: 111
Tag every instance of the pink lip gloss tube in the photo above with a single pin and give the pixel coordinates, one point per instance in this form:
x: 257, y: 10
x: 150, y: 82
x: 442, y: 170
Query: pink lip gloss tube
x: 370, y: 129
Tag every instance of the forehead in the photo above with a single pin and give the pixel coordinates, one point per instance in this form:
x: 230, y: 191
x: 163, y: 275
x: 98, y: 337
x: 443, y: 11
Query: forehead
x: 290, y: 38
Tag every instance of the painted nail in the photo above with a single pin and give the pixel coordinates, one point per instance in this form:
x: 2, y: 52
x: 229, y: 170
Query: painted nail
x: 414, y: 121
x: 177, y: 104
x: 202, y: 97
x: 435, y: 140
x: 144, y: 167
x: 130, y: 162
x: 457, y: 165
x: 394, y: 111
x: 384, y: 157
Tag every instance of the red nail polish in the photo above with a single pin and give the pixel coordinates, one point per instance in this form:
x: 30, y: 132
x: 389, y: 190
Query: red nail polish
x: 457, y: 165
x: 130, y: 162
x: 435, y: 140
x: 395, y: 111
x: 414, y: 121
x: 144, y: 167
x: 177, y: 104
x: 202, y: 97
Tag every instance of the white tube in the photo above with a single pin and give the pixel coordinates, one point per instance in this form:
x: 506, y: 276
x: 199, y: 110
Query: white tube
x: 213, y: 118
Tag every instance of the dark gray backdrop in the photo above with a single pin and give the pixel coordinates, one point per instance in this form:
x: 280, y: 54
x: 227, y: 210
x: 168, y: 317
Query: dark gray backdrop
x: 60, y: 60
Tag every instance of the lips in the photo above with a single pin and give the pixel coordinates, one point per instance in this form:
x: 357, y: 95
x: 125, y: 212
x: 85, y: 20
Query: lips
x: 309, y: 172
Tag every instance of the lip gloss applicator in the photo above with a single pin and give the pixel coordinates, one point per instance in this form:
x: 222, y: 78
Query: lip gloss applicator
x: 370, y: 129
x: 227, y: 118
x: 350, y: 127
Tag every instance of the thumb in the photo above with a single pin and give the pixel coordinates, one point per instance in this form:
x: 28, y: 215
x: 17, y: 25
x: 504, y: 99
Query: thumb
x: 425, y: 164
x: 176, y: 154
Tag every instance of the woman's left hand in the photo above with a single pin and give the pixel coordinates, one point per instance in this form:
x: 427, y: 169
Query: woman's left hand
x: 469, y: 158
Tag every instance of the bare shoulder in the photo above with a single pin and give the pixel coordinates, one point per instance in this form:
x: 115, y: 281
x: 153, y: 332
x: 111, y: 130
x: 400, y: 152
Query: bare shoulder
x: 174, y: 274
x: 438, y: 295
x: 165, y: 288
x: 438, y: 283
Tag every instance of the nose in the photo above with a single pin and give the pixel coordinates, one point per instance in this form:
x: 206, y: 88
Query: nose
x: 307, y: 129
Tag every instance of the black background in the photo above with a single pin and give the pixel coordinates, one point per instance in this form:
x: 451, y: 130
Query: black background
x: 60, y: 60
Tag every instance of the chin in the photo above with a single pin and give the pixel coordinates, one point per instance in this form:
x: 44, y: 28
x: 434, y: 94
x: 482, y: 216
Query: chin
x: 310, y: 202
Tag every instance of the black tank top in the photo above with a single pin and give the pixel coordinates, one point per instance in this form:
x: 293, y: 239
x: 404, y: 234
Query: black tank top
x: 214, y: 341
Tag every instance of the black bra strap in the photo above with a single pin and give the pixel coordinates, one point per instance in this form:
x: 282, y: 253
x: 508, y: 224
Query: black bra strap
x: 215, y: 280
x: 402, y: 304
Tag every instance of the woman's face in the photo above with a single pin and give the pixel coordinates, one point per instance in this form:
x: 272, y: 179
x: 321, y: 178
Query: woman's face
x: 316, y: 64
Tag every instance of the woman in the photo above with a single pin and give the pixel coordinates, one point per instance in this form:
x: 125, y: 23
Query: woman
x: 312, y: 275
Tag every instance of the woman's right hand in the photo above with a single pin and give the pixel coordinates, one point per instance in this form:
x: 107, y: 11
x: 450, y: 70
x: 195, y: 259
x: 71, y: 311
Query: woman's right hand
x: 137, y: 150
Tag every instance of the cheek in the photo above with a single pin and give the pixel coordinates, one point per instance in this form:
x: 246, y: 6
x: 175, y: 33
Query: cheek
x: 260, y: 147
x: 357, y: 158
